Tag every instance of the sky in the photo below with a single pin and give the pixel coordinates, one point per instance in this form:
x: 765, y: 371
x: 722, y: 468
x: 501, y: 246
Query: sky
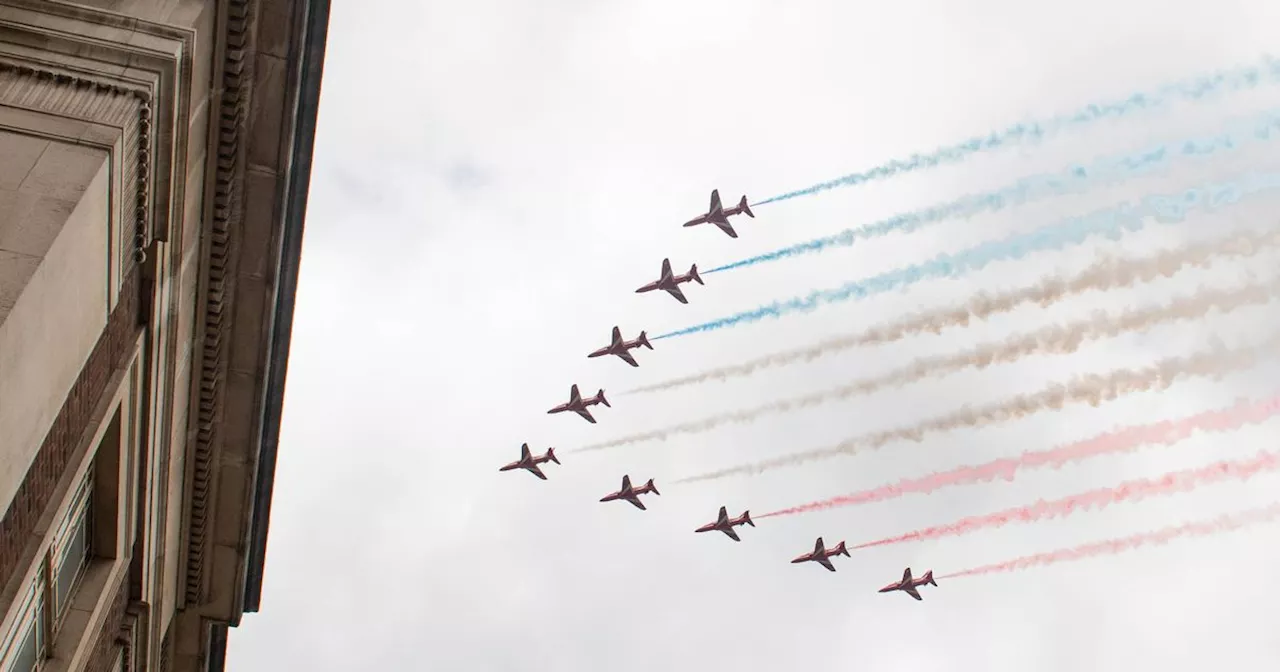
x: 493, y: 179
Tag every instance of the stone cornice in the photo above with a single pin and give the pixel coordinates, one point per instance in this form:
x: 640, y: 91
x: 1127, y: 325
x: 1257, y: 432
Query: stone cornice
x: 59, y: 92
x: 84, y: 63
x: 227, y: 188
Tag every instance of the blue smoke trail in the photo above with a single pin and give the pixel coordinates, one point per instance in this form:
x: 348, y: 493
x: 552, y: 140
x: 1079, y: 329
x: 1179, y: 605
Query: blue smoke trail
x: 1111, y: 222
x: 1241, y: 78
x: 1075, y: 178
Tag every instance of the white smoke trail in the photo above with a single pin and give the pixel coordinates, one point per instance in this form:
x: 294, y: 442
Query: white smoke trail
x: 1093, y: 389
x: 1108, y: 273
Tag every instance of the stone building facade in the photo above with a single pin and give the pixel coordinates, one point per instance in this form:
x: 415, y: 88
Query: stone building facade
x: 155, y: 157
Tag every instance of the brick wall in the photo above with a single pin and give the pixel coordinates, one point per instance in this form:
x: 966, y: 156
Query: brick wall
x: 33, y: 496
x: 105, y: 648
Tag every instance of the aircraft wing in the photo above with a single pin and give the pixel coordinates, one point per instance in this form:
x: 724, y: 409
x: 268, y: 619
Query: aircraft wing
x: 626, y: 357
x: 729, y: 531
x: 727, y: 228
x: 536, y: 471
x: 715, y: 201
x: 674, y: 290
x: 582, y: 410
x: 825, y: 562
x: 636, y: 500
x: 911, y: 590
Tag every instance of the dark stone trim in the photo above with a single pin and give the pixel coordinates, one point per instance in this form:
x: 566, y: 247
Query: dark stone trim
x: 217, y: 653
x: 295, y: 210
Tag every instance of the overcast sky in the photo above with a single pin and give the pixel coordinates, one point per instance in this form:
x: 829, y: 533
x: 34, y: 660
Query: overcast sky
x: 494, y: 178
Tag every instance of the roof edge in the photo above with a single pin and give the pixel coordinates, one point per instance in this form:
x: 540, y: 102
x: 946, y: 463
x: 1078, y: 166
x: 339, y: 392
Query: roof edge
x: 311, y: 69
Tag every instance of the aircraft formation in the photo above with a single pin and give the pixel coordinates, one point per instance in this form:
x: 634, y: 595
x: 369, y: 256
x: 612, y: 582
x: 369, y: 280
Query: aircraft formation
x: 619, y: 347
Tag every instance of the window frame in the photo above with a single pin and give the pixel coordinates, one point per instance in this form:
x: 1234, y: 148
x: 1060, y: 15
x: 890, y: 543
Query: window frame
x: 32, y: 616
x: 79, y: 517
x: 41, y: 610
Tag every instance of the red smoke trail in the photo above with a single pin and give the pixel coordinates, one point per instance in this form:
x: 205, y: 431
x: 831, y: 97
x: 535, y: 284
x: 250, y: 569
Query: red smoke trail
x: 1201, y: 528
x: 1167, y: 432
x: 1170, y: 483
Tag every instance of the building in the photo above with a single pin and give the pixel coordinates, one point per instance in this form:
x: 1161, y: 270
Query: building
x: 154, y: 163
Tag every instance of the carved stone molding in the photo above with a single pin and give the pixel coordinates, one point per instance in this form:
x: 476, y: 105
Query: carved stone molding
x: 114, y: 54
x: 54, y: 92
x: 133, y: 629
x: 228, y: 186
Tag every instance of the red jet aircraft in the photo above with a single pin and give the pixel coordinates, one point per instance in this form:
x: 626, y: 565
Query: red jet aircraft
x: 579, y: 405
x: 671, y: 283
x: 530, y: 461
x: 619, y: 346
x: 632, y: 494
x: 726, y: 524
x: 908, y: 585
x: 822, y: 556
x: 719, y: 216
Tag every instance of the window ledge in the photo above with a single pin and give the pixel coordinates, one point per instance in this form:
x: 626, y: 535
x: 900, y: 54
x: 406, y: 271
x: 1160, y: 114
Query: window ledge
x: 88, y: 611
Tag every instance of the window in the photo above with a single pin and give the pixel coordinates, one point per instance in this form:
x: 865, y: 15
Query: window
x: 27, y: 647
x: 69, y: 554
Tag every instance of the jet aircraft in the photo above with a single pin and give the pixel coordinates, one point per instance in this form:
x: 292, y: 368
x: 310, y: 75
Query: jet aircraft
x: 619, y: 346
x: 632, y: 494
x: 909, y: 585
x: 671, y: 283
x: 726, y: 524
x: 579, y: 405
x: 718, y: 215
x: 530, y: 461
x: 822, y: 556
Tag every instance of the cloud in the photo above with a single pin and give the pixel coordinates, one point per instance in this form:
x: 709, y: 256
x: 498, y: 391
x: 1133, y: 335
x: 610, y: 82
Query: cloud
x: 492, y: 181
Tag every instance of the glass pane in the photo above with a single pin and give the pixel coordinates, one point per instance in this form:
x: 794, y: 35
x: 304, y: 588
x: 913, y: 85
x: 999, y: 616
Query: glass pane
x: 27, y: 648
x: 40, y: 628
x: 27, y: 653
x: 76, y: 549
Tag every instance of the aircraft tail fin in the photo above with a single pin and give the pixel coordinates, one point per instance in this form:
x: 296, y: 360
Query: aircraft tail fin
x: 928, y: 578
x: 841, y: 550
x: 601, y: 400
x: 652, y: 488
x: 643, y: 339
x: 551, y: 455
x: 746, y: 209
x: 746, y: 518
x: 693, y: 273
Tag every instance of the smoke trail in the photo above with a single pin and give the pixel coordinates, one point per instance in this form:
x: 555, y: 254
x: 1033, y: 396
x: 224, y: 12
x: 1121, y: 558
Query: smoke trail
x: 1057, y: 339
x: 1108, y: 273
x: 1226, y: 523
x: 1168, y: 484
x: 1235, y: 79
x: 1167, y: 432
x: 1074, y: 179
x: 1093, y: 389
x: 1110, y: 222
